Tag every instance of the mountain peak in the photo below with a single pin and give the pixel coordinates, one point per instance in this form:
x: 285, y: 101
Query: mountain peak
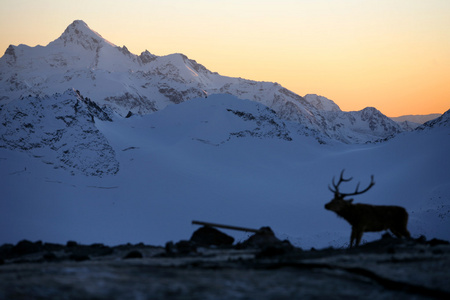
x: 79, y: 33
x: 79, y: 23
x: 371, y: 110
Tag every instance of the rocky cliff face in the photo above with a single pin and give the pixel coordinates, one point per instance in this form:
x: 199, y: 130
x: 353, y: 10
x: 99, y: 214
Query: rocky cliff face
x: 60, y: 130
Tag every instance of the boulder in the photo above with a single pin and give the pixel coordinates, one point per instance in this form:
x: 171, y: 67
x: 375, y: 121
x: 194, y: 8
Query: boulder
x: 263, y: 238
x: 208, y: 236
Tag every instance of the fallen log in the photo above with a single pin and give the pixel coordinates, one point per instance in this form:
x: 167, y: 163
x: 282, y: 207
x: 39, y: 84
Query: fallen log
x: 225, y: 226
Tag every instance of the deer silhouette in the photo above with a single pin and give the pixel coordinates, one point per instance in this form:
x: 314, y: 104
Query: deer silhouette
x: 366, y: 217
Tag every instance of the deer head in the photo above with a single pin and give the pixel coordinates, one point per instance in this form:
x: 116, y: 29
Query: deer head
x: 338, y: 202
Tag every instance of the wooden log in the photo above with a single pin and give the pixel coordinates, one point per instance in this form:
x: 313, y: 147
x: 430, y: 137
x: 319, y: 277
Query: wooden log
x: 224, y: 226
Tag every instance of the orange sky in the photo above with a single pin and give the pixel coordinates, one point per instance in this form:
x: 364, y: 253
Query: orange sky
x: 390, y: 54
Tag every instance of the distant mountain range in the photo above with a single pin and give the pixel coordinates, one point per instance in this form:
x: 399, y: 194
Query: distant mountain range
x: 419, y: 119
x: 411, y: 122
x: 111, y: 76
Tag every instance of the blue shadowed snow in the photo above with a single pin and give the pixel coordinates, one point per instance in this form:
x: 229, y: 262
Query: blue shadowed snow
x: 223, y: 160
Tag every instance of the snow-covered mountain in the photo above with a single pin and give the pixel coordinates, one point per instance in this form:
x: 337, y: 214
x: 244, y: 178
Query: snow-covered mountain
x: 80, y: 58
x: 218, y: 159
x: 140, y: 84
x: 322, y: 103
x: 408, y: 126
x: 61, y: 130
x: 367, y: 125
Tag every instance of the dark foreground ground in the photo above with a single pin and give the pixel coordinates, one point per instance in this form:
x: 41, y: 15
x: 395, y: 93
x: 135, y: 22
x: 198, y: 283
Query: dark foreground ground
x: 385, y: 269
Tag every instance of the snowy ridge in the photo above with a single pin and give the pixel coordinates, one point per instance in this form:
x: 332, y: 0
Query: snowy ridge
x: 221, y: 119
x: 367, y: 125
x: 408, y: 126
x: 442, y: 121
x: 61, y: 130
x: 370, y: 123
x: 322, y: 103
x: 110, y: 75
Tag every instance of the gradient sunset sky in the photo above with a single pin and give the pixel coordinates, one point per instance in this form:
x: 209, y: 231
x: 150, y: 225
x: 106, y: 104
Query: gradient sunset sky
x: 390, y: 54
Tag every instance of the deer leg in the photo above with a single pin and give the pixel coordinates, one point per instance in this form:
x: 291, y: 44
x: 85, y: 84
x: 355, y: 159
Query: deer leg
x: 396, y: 233
x: 406, y: 233
x: 401, y: 232
x: 352, y: 237
x: 358, y: 236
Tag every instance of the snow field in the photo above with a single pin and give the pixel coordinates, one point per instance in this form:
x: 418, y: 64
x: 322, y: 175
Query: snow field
x: 180, y: 164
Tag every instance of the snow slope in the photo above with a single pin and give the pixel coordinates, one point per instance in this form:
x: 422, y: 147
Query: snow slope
x: 109, y: 75
x: 224, y: 160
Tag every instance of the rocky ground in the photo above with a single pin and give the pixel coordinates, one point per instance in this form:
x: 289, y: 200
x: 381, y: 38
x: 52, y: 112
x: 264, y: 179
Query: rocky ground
x: 256, y: 269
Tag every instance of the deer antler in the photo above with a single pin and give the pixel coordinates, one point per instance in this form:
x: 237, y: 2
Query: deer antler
x: 356, y: 192
x: 336, y: 186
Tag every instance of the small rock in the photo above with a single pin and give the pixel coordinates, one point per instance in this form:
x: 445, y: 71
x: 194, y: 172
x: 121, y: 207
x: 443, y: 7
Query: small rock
x: 49, y: 256
x: 26, y: 247
x: 261, y: 239
x: 435, y: 242
x: 185, y: 247
x: 79, y: 257
x: 170, y: 248
x: 276, y: 249
x: 133, y: 254
x: 182, y: 248
x: 71, y: 244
